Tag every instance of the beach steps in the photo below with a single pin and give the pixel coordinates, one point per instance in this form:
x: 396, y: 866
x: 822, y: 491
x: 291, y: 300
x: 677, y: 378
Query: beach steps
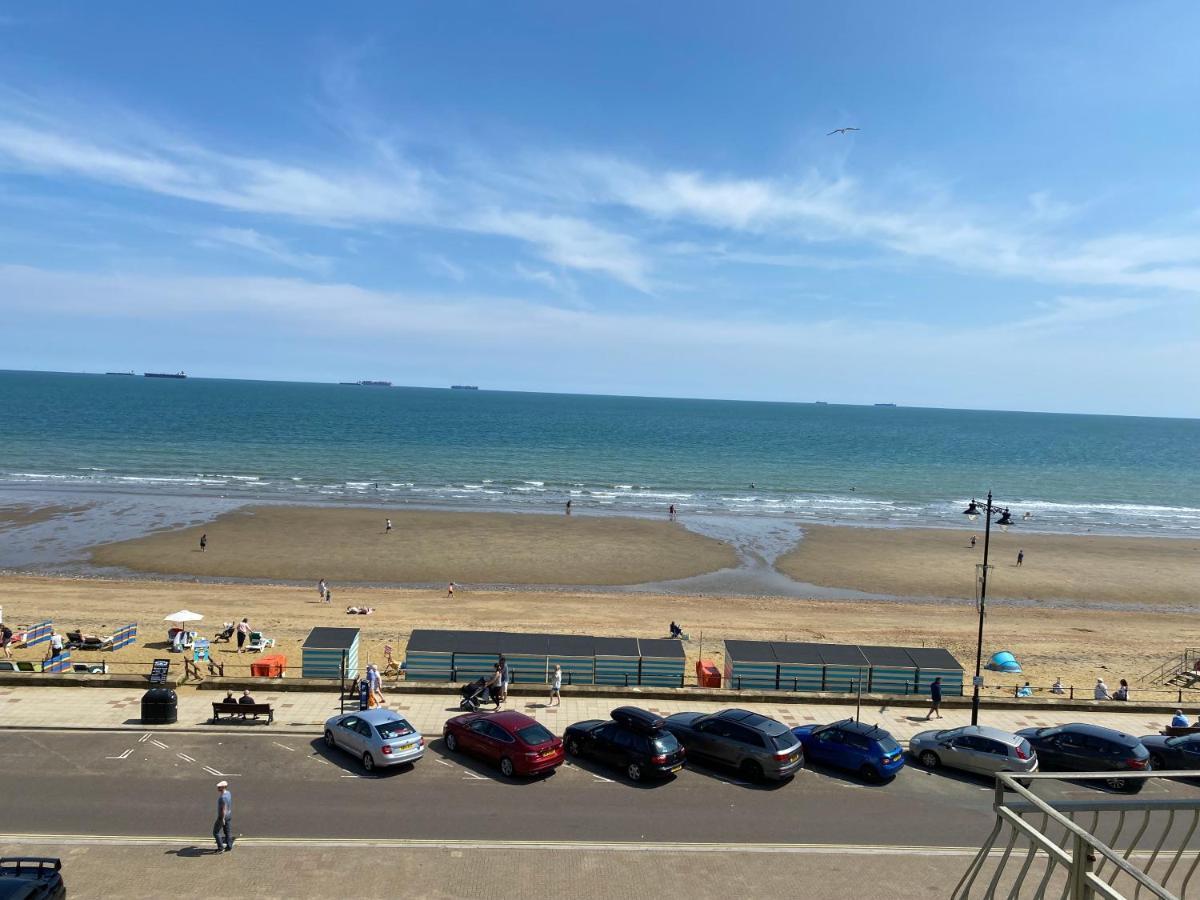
x: 1181, y: 670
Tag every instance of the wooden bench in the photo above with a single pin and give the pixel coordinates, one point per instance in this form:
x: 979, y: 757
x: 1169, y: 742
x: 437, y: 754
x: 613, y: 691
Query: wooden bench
x: 1176, y: 730
x: 243, y: 710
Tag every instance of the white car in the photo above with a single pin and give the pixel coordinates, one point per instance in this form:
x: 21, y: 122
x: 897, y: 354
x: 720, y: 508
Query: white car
x: 378, y: 737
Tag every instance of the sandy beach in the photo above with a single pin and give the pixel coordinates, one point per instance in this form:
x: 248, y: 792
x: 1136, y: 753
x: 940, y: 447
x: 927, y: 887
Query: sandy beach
x: 350, y: 545
x: 1077, y: 646
x: 915, y: 562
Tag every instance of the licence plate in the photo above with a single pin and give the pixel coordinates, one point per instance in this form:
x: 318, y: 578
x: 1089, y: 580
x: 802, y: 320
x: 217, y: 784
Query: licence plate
x: 676, y: 768
x: 403, y: 747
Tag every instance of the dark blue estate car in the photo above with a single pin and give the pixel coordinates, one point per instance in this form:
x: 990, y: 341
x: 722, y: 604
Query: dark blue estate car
x: 1181, y: 752
x: 854, y: 746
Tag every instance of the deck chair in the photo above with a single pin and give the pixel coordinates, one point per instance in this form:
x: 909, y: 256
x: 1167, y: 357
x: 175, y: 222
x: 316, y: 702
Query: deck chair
x: 77, y: 640
x: 259, y: 642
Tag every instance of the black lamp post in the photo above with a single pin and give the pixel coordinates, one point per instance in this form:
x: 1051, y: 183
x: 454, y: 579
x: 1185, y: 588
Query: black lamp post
x: 1005, y: 520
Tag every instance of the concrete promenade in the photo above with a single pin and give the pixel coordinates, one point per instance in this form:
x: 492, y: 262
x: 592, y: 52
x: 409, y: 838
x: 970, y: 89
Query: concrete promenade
x: 305, y: 712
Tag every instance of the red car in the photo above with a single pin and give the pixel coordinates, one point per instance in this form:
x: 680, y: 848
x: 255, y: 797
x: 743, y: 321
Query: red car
x: 511, y: 740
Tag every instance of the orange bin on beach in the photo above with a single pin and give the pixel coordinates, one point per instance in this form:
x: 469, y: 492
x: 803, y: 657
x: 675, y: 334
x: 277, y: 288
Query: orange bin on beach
x: 271, y: 666
x: 707, y: 674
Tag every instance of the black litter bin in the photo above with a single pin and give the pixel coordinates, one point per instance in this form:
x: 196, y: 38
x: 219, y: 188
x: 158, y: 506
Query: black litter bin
x: 160, y: 706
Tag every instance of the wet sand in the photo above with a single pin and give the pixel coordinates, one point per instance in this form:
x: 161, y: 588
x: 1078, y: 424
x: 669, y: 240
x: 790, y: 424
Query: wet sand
x: 940, y: 563
x: 1050, y: 643
x: 13, y: 517
x: 292, y: 543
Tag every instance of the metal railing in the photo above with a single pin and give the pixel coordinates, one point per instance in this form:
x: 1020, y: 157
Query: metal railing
x: 1071, y: 692
x: 1183, y: 662
x: 1039, y: 848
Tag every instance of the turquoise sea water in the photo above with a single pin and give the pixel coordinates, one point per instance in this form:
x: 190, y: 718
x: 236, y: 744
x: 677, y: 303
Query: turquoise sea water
x: 95, y: 434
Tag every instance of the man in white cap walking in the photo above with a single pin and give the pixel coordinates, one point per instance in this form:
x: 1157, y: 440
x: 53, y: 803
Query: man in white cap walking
x: 224, y: 823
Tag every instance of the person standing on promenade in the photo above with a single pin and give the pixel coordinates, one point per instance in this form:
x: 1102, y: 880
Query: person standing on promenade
x: 556, y: 686
x: 243, y: 631
x: 6, y: 641
x: 321, y: 589
x: 505, y: 677
x: 1020, y: 557
x: 493, y: 685
x: 223, y: 827
x: 204, y: 542
x: 935, y: 698
x: 387, y: 526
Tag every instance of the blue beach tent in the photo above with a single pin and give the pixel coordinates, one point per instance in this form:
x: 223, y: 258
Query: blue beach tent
x: 1004, y: 661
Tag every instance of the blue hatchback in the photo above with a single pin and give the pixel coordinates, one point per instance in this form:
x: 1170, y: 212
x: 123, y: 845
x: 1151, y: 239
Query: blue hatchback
x: 865, y: 749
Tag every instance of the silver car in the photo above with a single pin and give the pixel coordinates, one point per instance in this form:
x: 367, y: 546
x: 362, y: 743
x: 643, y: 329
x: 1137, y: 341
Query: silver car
x: 974, y: 748
x: 757, y: 746
x: 378, y: 737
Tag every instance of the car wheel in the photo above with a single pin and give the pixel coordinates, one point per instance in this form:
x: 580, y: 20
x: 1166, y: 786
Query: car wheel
x: 451, y: 741
x: 506, y: 767
x: 368, y: 762
x: 573, y: 747
x: 329, y: 741
x: 868, y: 773
x: 929, y: 759
x: 752, y: 771
x: 1157, y: 762
x: 634, y: 771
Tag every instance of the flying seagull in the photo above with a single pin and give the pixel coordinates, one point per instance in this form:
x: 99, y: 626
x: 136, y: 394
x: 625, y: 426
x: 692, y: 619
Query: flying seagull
x: 842, y: 131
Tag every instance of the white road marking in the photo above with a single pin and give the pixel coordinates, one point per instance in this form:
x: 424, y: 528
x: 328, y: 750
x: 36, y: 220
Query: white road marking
x: 444, y: 763
x: 185, y: 756
x: 143, y: 738
x: 471, y: 776
x: 160, y: 744
x: 212, y: 771
x: 124, y: 755
x: 288, y: 749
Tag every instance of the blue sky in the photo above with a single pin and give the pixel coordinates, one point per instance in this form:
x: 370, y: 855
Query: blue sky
x: 612, y: 198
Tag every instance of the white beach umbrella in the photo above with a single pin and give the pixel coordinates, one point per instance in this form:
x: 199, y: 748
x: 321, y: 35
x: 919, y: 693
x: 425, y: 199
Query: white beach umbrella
x: 184, y: 615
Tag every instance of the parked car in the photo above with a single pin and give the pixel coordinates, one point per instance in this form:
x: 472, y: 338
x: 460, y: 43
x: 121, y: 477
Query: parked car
x: 379, y: 737
x: 1182, y: 752
x: 857, y: 747
x: 511, y: 740
x: 634, y: 740
x: 757, y: 746
x: 974, y: 748
x: 1090, y: 748
x: 31, y: 878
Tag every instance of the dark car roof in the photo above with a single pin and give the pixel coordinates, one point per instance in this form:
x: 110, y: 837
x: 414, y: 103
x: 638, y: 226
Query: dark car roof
x: 852, y: 727
x: 1099, y: 731
x: 638, y: 719
x: 752, y: 720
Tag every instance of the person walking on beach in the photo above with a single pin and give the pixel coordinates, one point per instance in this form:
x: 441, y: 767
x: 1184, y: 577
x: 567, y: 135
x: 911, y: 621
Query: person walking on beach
x: 1020, y: 557
x: 321, y: 589
x: 556, y: 686
x: 243, y: 631
x: 387, y: 526
x: 204, y: 542
x: 671, y: 512
x: 972, y: 542
x: 935, y: 698
x: 223, y: 827
x: 450, y: 589
x: 568, y: 507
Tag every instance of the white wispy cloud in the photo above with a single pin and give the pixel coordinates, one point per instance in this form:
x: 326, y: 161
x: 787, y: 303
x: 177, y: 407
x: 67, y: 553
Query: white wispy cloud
x: 264, y: 245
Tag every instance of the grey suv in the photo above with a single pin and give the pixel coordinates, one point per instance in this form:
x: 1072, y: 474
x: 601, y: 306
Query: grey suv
x: 758, y: 747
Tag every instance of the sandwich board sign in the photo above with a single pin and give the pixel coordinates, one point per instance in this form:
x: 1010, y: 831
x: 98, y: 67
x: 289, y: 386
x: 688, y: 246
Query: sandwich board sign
x: 158, y: 671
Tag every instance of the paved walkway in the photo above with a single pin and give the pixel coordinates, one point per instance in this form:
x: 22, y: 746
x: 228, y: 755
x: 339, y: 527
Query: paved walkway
x: 305, y: 712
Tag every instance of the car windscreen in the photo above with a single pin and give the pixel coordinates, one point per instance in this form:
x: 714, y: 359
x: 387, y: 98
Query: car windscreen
x: 535, y: 734
x: 785, y: 741
x: 395, y: 729
x: 664, y: 742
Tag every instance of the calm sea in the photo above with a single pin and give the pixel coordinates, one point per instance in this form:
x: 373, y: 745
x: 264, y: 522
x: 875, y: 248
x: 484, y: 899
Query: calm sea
x: 100, y: 435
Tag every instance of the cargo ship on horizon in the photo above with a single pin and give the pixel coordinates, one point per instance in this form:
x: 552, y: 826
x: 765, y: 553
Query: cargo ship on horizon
x: 165, y: 374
